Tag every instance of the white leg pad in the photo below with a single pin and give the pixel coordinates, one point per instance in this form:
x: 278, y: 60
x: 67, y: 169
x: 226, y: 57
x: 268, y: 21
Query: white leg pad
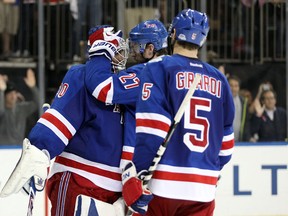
x: 33, y: 162
x: 86, y: 205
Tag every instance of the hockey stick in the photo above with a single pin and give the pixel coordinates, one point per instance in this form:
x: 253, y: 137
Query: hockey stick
x: 32, y: 185
x: 172, y: 128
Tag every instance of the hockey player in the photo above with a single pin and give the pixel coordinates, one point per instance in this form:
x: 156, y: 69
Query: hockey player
x: 147, y: 40
x: 184, y: 182
x: 76, y: 132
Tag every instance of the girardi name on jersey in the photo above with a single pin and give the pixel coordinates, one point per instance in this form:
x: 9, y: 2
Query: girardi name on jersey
x: 207, y: 83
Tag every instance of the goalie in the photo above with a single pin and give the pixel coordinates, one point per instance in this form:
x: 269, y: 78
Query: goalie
x: 74, y: 132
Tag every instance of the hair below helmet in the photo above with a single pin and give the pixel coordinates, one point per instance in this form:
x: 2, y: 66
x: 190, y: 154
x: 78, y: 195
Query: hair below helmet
x: 191, y: 26
x: 149, y: 31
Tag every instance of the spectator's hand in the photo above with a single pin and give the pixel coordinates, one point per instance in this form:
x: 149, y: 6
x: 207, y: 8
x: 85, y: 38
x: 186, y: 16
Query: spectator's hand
x: 3, y: 84
x: 20, y: 97
x: 258, y: 108
x: 30, y: 78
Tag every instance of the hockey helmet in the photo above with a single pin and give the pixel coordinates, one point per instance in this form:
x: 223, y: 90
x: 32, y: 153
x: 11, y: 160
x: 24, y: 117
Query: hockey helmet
x: 149, y: 31
x: 191, y: 26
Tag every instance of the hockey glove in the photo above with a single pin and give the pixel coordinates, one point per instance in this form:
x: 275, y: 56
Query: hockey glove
x: 135, y: 195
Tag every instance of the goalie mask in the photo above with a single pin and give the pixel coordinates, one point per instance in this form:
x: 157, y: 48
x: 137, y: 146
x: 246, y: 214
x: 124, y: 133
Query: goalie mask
x: 120, y: 59
x: 106, y: 33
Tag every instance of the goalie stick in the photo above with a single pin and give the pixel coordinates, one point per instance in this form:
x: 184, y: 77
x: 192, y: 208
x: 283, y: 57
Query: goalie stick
x: 31, y: 188
x: 172, y: 128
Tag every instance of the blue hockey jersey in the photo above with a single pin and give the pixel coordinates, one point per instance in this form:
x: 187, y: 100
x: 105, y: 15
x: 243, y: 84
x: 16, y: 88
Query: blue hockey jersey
x: 84, y: 134
x: 120, y: 88
x: 203, y: 140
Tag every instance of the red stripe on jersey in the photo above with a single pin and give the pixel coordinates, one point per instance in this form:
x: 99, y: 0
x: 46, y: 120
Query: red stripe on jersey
x: 185, y: 177
x: 127, y: 155
x: 57, y: 123
x: 103, y: 93
x: 88, y: 168
x: 153, y: 124
x: 227, y: 144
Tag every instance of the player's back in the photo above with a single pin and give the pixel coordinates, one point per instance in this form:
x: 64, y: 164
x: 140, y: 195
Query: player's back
x: 209, y: 107
x: 194, y: 153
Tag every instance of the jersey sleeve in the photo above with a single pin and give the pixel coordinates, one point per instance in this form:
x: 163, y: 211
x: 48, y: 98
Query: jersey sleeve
x: 108, y: 87
x: 59, y: 124
x: 228, y: 137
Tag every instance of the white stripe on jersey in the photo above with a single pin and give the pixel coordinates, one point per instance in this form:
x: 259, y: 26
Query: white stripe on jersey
x: 128, y: 149
x: 57, y: 132
x: 150, y: 130
x: 98, y: 179
x: 153, y: 116
x: 101, y: 86
x: 183, y: 190
x: 90, y: 163
x: 63, y: 120
x: 189, y: 170
x: 228, y: 137
x: 226, y: 152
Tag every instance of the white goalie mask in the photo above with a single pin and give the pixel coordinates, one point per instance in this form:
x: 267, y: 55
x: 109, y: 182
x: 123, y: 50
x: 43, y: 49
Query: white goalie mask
x: 120, y: 59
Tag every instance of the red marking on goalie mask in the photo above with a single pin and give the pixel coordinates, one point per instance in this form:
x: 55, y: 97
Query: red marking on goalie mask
x: 62, y: 90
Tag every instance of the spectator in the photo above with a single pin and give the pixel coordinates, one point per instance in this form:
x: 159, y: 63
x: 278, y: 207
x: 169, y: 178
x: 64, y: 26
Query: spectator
x: 75, y: 131
x: 9, y: 20
x: 241, y: 123
x: 256, y: 107
x: 184, y: 182
x: 14, y: 110
x: 93, y: 8
x: 271, y: 123
x: 27, y: 36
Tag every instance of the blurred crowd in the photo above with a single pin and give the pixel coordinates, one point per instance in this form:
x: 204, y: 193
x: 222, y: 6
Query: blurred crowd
x: 17, y: 113
x: 257, y: 119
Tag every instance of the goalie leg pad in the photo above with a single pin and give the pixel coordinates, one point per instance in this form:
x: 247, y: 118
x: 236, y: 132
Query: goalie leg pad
x: 86, y: 205
x: 33, y: 162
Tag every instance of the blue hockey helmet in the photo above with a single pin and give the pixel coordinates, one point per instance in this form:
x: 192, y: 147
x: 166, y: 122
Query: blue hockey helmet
x: 149, y: 31
x: 191, y: 26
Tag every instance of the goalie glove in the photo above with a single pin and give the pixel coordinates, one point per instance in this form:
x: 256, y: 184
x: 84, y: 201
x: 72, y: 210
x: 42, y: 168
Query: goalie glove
x: 135, y: 195
x: 33, y: 162
x: 103, y: 40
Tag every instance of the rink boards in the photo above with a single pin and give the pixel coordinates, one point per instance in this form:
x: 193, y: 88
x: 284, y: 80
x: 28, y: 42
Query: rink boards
x: 254, y: 183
